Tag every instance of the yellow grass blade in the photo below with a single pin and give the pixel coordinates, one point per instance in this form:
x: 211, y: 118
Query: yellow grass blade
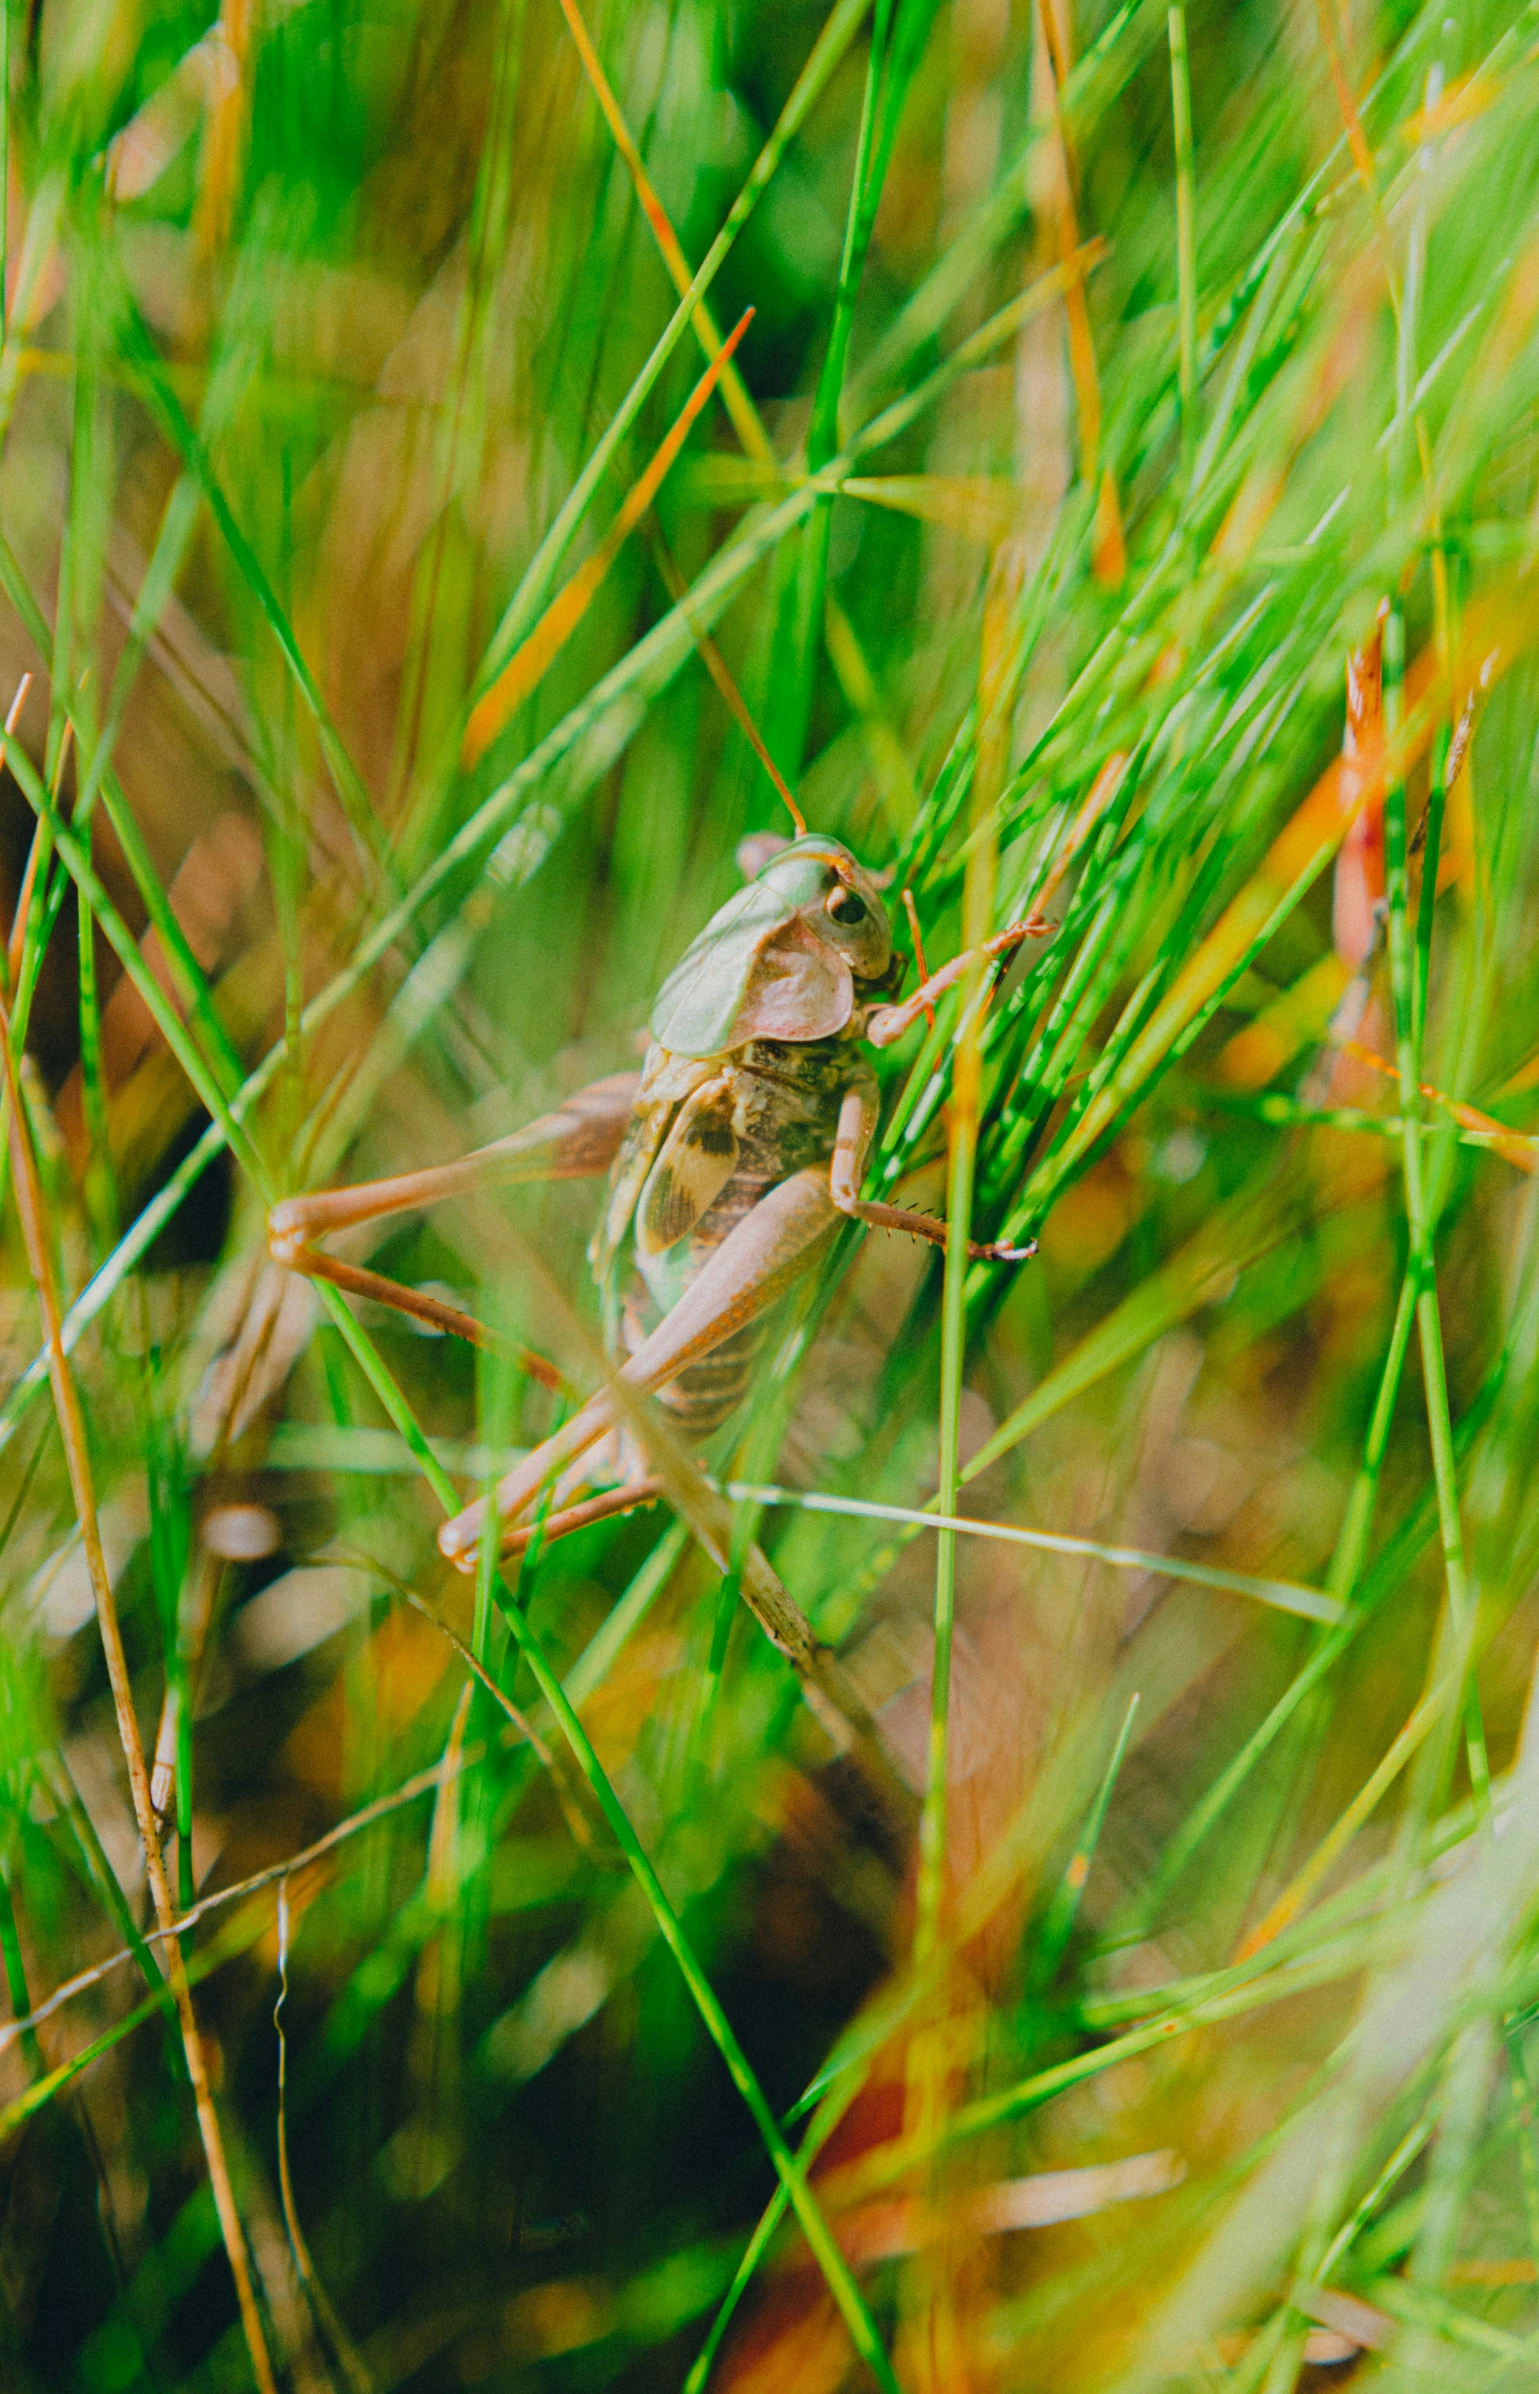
x: 226, y: 128
x: 1367, y: 1799
x: 982, y: 507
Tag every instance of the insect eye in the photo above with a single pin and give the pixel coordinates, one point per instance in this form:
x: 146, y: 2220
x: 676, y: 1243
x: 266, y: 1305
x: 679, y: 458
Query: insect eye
x: 846, y: 906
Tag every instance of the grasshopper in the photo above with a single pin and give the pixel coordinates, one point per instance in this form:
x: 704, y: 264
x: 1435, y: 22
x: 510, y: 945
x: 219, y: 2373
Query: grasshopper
x: 731, y: 1156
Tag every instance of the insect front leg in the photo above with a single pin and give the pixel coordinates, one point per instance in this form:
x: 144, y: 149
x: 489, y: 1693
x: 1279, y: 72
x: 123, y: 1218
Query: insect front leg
x: 857, y: 1128
x: 753, y: 1267
x: 884, y: 1024
x: 577, y: 1142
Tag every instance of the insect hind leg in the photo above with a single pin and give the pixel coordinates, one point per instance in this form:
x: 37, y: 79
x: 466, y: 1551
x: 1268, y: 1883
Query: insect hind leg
x: 749, y: 1271
x: 699, y: 1401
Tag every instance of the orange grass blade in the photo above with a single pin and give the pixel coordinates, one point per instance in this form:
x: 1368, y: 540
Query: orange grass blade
x: 1102, y: 791
x: 912, y: 911
x: 225, y: 130
x: 734, y: 393
x: 1517, y: 1147
x: 1081, y: 342
x: 1357, y: 139
x: 1525, y: 1077
x: 530, y: 662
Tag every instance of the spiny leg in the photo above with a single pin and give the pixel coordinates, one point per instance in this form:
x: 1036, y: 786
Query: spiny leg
x: 857, y: 1126
x: 577, y: 1142
x: 749, y: 1271
x: 753, y: 1267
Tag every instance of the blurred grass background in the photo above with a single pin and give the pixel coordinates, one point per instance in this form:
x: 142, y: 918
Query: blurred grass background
x: 1114, y: 373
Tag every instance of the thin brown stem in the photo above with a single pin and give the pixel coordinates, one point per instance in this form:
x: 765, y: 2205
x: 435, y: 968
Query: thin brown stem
x: 316, y: 1264
x: 29, y: 1206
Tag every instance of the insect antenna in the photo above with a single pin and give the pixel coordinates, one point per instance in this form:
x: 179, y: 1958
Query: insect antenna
x: 716, y: 666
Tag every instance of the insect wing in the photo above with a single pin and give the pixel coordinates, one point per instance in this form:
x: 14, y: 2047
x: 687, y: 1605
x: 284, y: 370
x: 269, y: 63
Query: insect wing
x: 629, y: 1172
x: 698, y: 1158
x: 667, y: 1083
